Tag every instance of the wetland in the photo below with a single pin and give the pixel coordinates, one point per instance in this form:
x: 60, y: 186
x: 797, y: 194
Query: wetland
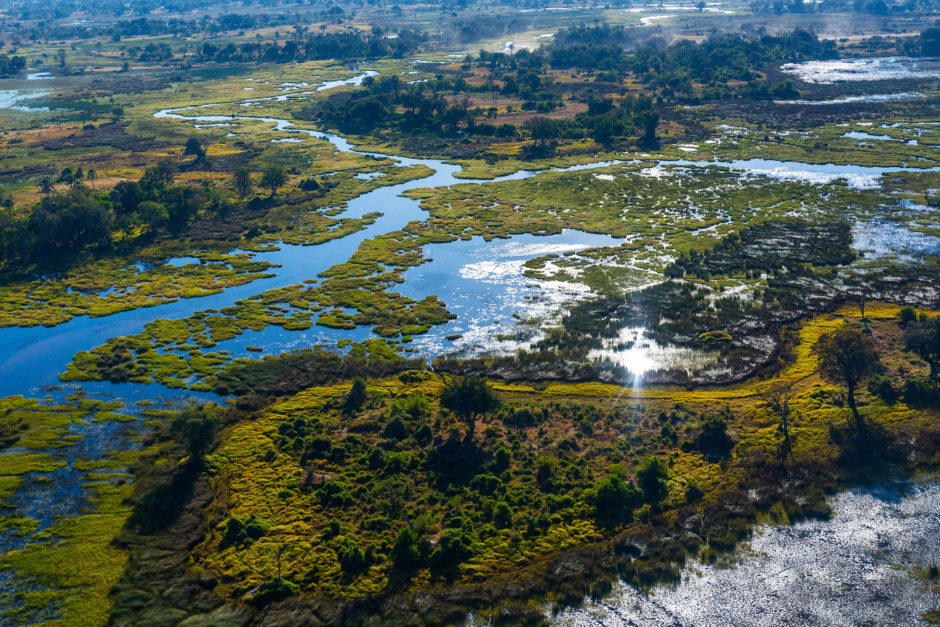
x: 384, y: 316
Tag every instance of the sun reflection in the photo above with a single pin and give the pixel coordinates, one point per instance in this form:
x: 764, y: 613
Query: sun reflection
x: 639, y: 355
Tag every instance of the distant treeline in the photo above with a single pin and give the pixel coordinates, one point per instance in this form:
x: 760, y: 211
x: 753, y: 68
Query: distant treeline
x: 723, y: 65
x: 483, y: 27
x: 871, y: 7
x: 347, y: 45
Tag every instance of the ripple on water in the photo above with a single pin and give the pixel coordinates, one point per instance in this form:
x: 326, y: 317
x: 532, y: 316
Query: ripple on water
x: 854, y: 569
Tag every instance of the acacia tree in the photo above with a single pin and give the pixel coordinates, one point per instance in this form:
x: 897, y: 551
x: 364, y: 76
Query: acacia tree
x: 846, y: 356
x: 469, y: 398
x: 776, y: 397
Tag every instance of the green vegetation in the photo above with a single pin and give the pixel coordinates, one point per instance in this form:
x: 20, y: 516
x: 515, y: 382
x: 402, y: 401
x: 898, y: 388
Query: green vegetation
x: 344, y: 481
x: 340, y: 503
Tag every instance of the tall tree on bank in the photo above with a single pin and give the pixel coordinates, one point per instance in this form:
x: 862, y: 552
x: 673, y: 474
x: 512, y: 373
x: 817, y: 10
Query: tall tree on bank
x: 846, y: 356
x: 469, y: 398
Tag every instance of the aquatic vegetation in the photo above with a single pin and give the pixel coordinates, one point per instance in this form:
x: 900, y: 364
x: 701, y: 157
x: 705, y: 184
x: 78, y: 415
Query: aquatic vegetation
x: 63, y: 491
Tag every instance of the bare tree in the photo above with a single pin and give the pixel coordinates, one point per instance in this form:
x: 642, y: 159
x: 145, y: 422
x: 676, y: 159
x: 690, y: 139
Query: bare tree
x: 776, y: 396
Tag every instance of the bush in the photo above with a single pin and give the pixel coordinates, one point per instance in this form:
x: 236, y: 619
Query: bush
x: 357, y: 395
x: 712, y: 439
x: 415, y: 406
x: 395, y: 430
x: 881, y: 386
x: 273, y: 590
x: 241, y: 531
x: 907, y: 315
x: 454, y: 547
x: 922, y: 392
x: 350, y: 556
x: 502, y: 516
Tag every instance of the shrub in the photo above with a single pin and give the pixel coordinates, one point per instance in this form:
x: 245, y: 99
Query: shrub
x: 881, y: 387
x: 273, y: 590
x: 350, y: 556
x: 395, y: 430
x: 922, y: 392
x: 241, y: 531
x: 415, y: 406
x: 357, y: 395
x: 502, y: 516
x: 453, y: 548
x: 907, y: 315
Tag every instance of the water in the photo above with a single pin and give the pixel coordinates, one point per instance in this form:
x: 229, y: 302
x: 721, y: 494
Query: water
x: 484, y: 285
x: 11, y: 98
x: 639, y: 354
x: 859, y: 177
x: 864, y: 135
x: 32, y: 357
x: 854, y: 569
x: 909, y: 95
x: 872, y: 69
x: 880, y: 238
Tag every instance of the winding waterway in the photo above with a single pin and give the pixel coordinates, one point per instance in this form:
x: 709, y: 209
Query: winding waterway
x: 33, y: 357
x: 482, y: 282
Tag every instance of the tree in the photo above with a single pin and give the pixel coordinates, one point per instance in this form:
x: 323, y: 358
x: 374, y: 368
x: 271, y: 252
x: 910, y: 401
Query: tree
x: 195, y: 429
x: 242, y: 181
x: 405, y: 550
x: 647, y: 120
x: 273, y: 177
x: 846, y: 356
x: 92, y: 175
x: 46, y: 187
x: 923, y: 339
x: 357, y: 395
x: 651, y: 476
x: 615, y: 500
x: 159, y: 176
x: 469, y: 397
x: 543, y: 131
x: 776, y: 397
x: 194, y: 148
